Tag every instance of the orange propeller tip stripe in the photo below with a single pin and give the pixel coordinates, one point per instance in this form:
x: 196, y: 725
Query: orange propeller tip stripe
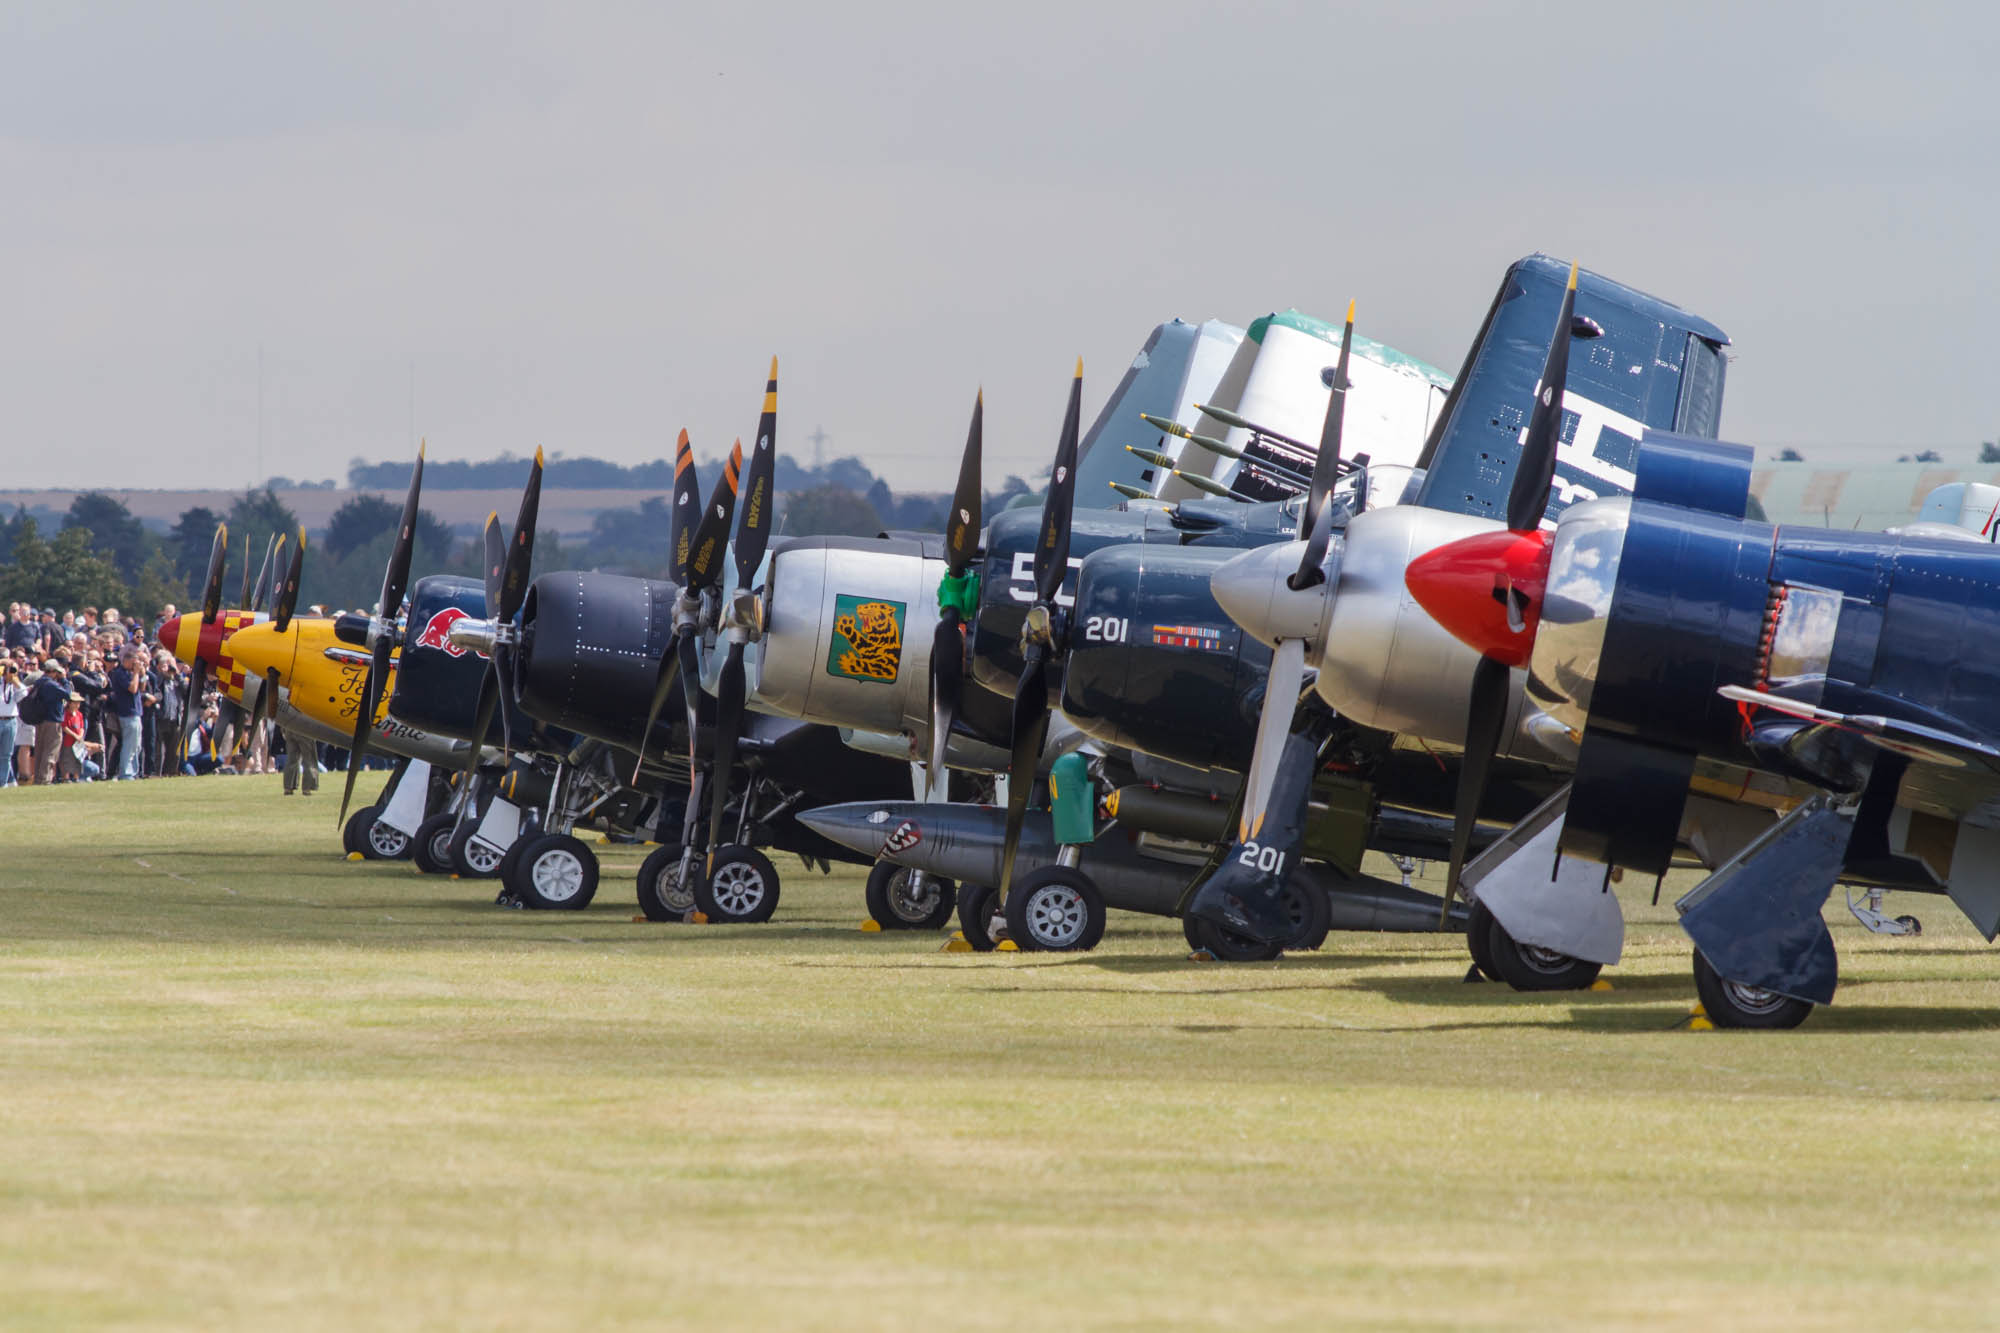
x: 538, y: 455
x: 1079, y: 367
x: 1572, y: 275
x: 683, y: 441
x: 1350, y: 310
x: 421, y: 446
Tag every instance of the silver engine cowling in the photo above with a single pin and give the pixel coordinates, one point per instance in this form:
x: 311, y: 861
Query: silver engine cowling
x: 848, y: 623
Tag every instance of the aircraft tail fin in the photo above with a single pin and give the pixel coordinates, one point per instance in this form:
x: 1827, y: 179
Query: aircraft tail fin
x: 1637, y: 363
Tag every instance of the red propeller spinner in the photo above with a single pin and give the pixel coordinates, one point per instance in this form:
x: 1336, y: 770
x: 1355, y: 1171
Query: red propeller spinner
x: 1487, y: 590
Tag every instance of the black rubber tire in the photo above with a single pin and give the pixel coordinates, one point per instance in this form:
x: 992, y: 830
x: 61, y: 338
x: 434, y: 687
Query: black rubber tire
x: 1530, y: 969
x: 1056, y: 909
x: 975, y: 911
x: 555, y: 873
x: 487, y: 866
x: 1479, y: 920
x: 354, y: 834
x: 660, y: 896
x: 512, y: 859
x: 1224, y: 945
x: 891, y: 908
x: 379, y: 842
x: 742, y: 889
x: 1312, y: 917
x: 430, y: 849
x: 1731, y: 1006
x: 1911, y: 924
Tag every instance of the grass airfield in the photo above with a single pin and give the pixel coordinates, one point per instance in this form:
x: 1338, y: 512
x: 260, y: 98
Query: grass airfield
x: 247, y: 1084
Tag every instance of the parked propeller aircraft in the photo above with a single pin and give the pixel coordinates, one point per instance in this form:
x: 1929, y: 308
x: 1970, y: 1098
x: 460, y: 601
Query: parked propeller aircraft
x: 1700, y: 673
x: 1139, y: 656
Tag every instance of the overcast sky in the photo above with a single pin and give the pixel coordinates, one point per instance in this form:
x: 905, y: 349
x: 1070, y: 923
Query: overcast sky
x: 588, y: 225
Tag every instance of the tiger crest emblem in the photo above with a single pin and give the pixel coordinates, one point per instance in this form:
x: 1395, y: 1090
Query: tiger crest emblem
x: 867, y: 639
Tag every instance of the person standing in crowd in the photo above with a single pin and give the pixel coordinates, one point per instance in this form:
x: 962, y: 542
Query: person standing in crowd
x: 172, y: 691
x: 11, y: 692
x: 21, y: 630
x: 301, y: 764
x: 78, y: 758
x: 52, y: 699
x: 124, y: 715
x: 87, y: 678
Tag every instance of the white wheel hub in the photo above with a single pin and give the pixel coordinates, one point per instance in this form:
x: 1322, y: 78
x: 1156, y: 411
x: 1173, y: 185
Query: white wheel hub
x: 738, y: 888
x: 557, y: 875
x: 674, y: 895
x: 1056, y: 915
x: 388, y: 842
x: 482, y: 858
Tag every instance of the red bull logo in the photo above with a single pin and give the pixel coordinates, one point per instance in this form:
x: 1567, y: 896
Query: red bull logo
x: 437, y: 632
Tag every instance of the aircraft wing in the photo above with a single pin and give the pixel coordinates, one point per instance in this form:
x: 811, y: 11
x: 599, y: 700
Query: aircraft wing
x: 1921, y: 744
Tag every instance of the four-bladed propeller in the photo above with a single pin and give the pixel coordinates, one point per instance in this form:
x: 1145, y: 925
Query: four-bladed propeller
x: 1044, y: 633
x: 742, y: 614
x: 686, y: 539
x: 1505, y: 573
x: 507, y: 563
x: 211, y: 609
x: 384, y: 634
x: 958, y: 598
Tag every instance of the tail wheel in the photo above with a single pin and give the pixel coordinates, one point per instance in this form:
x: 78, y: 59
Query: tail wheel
x: 1056, y: 909
x: 1311, y: 916
x: 430, y: 850
x: 662, y: 894
x: 557, y: 873
x: 901, y: 899
x: 741, y: 889
x: 975, y: 917
x: 1226, y: 946
x: 1731, y: 1004
x: 1527, y: 967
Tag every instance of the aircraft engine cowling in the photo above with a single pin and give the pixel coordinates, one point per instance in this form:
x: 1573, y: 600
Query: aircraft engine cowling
x: 1154, y: 664
x: 848, y: 624
x: 437, y: 682
x: 590, y: 653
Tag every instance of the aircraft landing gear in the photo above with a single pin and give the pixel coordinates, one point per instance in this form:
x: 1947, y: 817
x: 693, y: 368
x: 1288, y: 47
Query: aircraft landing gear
x: 1870, y: 914
x: 1730, y: 1004
x: 1526, y: 967
x: 900, y: 898
x: 1310, y: 915
x: 1479, y: 920
x: 742, y: 890
x: 1056, y: 909
x: 474, y: 858
x: 366, y: 833
x: 664, y: 895
x: 430, y: 849
x: 977, y: 920
x: 555, y: 873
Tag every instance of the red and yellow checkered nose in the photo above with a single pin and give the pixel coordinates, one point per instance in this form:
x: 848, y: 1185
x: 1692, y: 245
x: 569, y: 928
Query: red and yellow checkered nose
x: 187, y: 638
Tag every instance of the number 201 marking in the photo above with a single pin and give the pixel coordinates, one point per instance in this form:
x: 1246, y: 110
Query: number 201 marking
x: 1106, y: 629
x: 1259, y: 856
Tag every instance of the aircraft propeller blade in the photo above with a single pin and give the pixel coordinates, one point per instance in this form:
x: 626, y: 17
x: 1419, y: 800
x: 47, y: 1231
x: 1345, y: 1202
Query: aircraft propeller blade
x: 273, y: 548
x: 364, y: 719
x: 1484, y: 724
x: 495, y: 544
x: 699, y: 570
x: 687, y: 500
x: 288, y: 591
x: 1030, y: 727
x: 1052, y: 548
x: 728, y: 717
x: 1528, y: 498
x: 243, y: 598
x: 520, y: 550
x: 961, y: 543
x: 268, y: 700
x: 753, y: 527
x: 211, y: 587
x: 1274, y: 723
x: 1326, y: 466
x: 197, y: 686
x: 397, y: 576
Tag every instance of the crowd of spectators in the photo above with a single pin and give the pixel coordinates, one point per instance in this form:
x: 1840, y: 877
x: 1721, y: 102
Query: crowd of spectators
x: 86, y: 695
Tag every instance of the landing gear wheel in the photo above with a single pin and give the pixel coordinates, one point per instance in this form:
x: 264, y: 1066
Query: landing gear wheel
x: 1730, y: 1004
x: 384, y: 843
x: 1310, y: 914
x: 894, y: 905
x: 354, y: 834
x: 1056, y: 910
x: 1910, y: 924
x: 1526, y: 967
x: 1478, y: 922
x: 508, y: 863
x: 556, y: 873
x: 975, y: 917
x: 741, y: 890
x: 471, y: 859
x: 1226, y: 946
x: 430, y: 850
x: 662, y: 895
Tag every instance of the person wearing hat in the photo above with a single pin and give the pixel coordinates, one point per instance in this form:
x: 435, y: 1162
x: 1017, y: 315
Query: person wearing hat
x: 79, y: 756
x: 52, y: 694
